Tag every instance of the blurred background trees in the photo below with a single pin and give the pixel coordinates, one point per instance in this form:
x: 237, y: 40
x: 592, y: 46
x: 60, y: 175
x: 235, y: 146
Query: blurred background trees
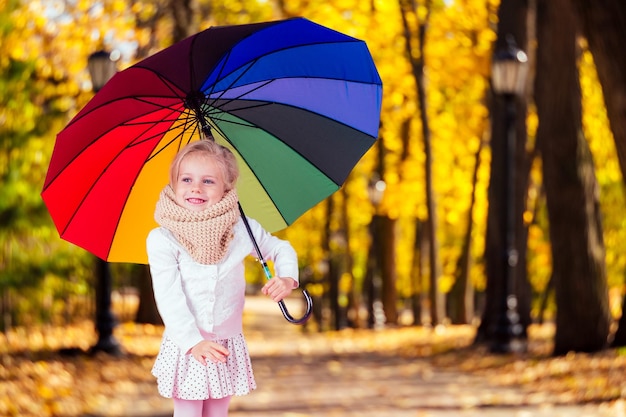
x: 415, y: 236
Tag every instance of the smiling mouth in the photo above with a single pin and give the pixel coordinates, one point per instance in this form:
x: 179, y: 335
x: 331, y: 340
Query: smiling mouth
x: 196, y: 200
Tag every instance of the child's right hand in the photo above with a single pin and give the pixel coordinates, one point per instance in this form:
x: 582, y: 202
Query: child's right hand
x: 209, y: 350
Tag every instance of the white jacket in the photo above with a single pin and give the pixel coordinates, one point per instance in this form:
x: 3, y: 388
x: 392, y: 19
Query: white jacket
x: 205, y: 302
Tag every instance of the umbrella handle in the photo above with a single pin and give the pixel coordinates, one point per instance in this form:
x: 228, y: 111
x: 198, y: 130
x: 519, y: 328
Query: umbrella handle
x: 268, y: 274
x: 307, y: 313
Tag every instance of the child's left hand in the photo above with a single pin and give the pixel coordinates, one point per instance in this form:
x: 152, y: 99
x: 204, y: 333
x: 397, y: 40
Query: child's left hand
x: 278, y: 288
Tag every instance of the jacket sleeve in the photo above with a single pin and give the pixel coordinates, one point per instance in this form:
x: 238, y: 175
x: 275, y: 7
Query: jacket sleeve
x: 277, y: 250
x: 170, y: 299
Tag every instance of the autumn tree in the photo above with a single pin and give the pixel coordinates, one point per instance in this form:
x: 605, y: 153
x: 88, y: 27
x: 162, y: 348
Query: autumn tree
x: 460, y: 303
x: 45, y: 83
x: 415, y: 20
x: 22, y: 126
x: 579, y: 274
x: 363, y: 249
x: 603, y: 24
x: 40, y: 89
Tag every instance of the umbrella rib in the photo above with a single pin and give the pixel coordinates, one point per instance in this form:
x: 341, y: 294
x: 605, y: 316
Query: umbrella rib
x: 167, y: 83
x: 165, y: 146
x: 183, y: 127
x: 177, y: 137
x: 251, y: 64
x: 258, y: 87
x: 228, y: 101
x: 263, y: 104
x: 244, y: 159
x: 173, y: 111
x: 96, y: 139
x: 187, y: 125
x: 175, y: 94
x: 218, y: 76
x: 248, y: 68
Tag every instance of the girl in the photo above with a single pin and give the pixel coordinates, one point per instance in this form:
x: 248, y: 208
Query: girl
x: 196, y: 262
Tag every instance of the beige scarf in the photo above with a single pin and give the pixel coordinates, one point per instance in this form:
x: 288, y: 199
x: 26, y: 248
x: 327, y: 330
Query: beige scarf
x: 205, y: 234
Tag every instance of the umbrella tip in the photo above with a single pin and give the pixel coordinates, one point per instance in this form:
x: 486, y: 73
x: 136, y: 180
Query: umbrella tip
x: 195, y: 102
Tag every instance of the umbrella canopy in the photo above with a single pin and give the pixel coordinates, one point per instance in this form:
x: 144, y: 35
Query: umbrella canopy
x: 297, y: 103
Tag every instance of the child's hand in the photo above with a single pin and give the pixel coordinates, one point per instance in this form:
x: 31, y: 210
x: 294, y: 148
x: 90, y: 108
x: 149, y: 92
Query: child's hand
x: 278, y: 288
x: 209, y: 350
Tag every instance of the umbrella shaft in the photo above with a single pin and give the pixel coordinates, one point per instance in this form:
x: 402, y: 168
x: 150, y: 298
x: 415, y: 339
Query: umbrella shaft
x: 194, y: 102
x: 268, y: 274
x: 266, y: 269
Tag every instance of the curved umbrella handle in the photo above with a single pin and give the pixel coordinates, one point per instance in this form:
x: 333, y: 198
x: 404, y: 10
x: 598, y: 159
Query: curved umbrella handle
x: 307, y: 313
x: 268, y: 275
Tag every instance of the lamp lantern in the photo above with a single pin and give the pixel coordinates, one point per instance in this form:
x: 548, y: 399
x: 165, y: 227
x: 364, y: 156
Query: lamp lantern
x: 101, y: 68
x: 510, y: 68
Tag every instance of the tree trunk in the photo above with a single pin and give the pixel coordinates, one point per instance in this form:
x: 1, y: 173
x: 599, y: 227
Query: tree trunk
x: 437, y: 299
x: 350, y: 310
x: 582, y: 318
x: 183, y: 18
x: 146, y: 311
x: 370, y: 287
x: 461, y: 298
x: 332, y: 272
x: 604, y: 25
x: 420, y: 251
x: 375, y: 274
x: 386, y: 238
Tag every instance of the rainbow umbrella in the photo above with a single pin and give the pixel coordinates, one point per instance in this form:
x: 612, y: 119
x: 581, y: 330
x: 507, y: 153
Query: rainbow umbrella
x: 298, y: 104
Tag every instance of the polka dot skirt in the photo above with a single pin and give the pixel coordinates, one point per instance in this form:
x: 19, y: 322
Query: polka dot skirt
x: 181, y: 376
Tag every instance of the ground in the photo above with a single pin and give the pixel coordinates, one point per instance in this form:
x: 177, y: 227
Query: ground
x: 417, y: 372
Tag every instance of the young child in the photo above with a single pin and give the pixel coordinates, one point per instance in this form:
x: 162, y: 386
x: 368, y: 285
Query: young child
x: 196, y: 262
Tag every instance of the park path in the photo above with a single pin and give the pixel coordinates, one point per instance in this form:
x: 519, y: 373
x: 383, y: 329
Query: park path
x: 298, y: 378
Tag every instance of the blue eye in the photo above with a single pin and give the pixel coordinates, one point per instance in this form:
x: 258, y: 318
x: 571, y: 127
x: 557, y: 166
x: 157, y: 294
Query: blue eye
x: 208, y: 181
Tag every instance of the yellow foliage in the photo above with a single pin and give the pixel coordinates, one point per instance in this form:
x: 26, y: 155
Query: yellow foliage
x: 457, y: 59
x: 602, y: 145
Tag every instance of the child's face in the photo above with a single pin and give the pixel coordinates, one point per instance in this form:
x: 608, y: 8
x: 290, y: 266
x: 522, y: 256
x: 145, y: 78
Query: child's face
x: 200, y: 182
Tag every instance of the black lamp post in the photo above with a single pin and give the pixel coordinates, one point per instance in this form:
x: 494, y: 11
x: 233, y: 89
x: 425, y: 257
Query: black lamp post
x: 509, y: 80
x: 101, y: 69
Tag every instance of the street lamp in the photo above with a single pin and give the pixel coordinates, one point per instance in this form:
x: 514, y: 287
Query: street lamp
x: 101, y: 69
x: 509, y: 80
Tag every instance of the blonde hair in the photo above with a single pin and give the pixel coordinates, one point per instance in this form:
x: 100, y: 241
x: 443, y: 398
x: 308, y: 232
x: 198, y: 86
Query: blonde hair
x: 222, y: 155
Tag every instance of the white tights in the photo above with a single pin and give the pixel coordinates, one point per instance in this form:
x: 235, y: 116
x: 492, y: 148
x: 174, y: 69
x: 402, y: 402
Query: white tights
x: 213, y: 407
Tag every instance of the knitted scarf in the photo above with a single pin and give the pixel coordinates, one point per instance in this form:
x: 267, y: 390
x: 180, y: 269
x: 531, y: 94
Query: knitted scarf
x: 205, y: 234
